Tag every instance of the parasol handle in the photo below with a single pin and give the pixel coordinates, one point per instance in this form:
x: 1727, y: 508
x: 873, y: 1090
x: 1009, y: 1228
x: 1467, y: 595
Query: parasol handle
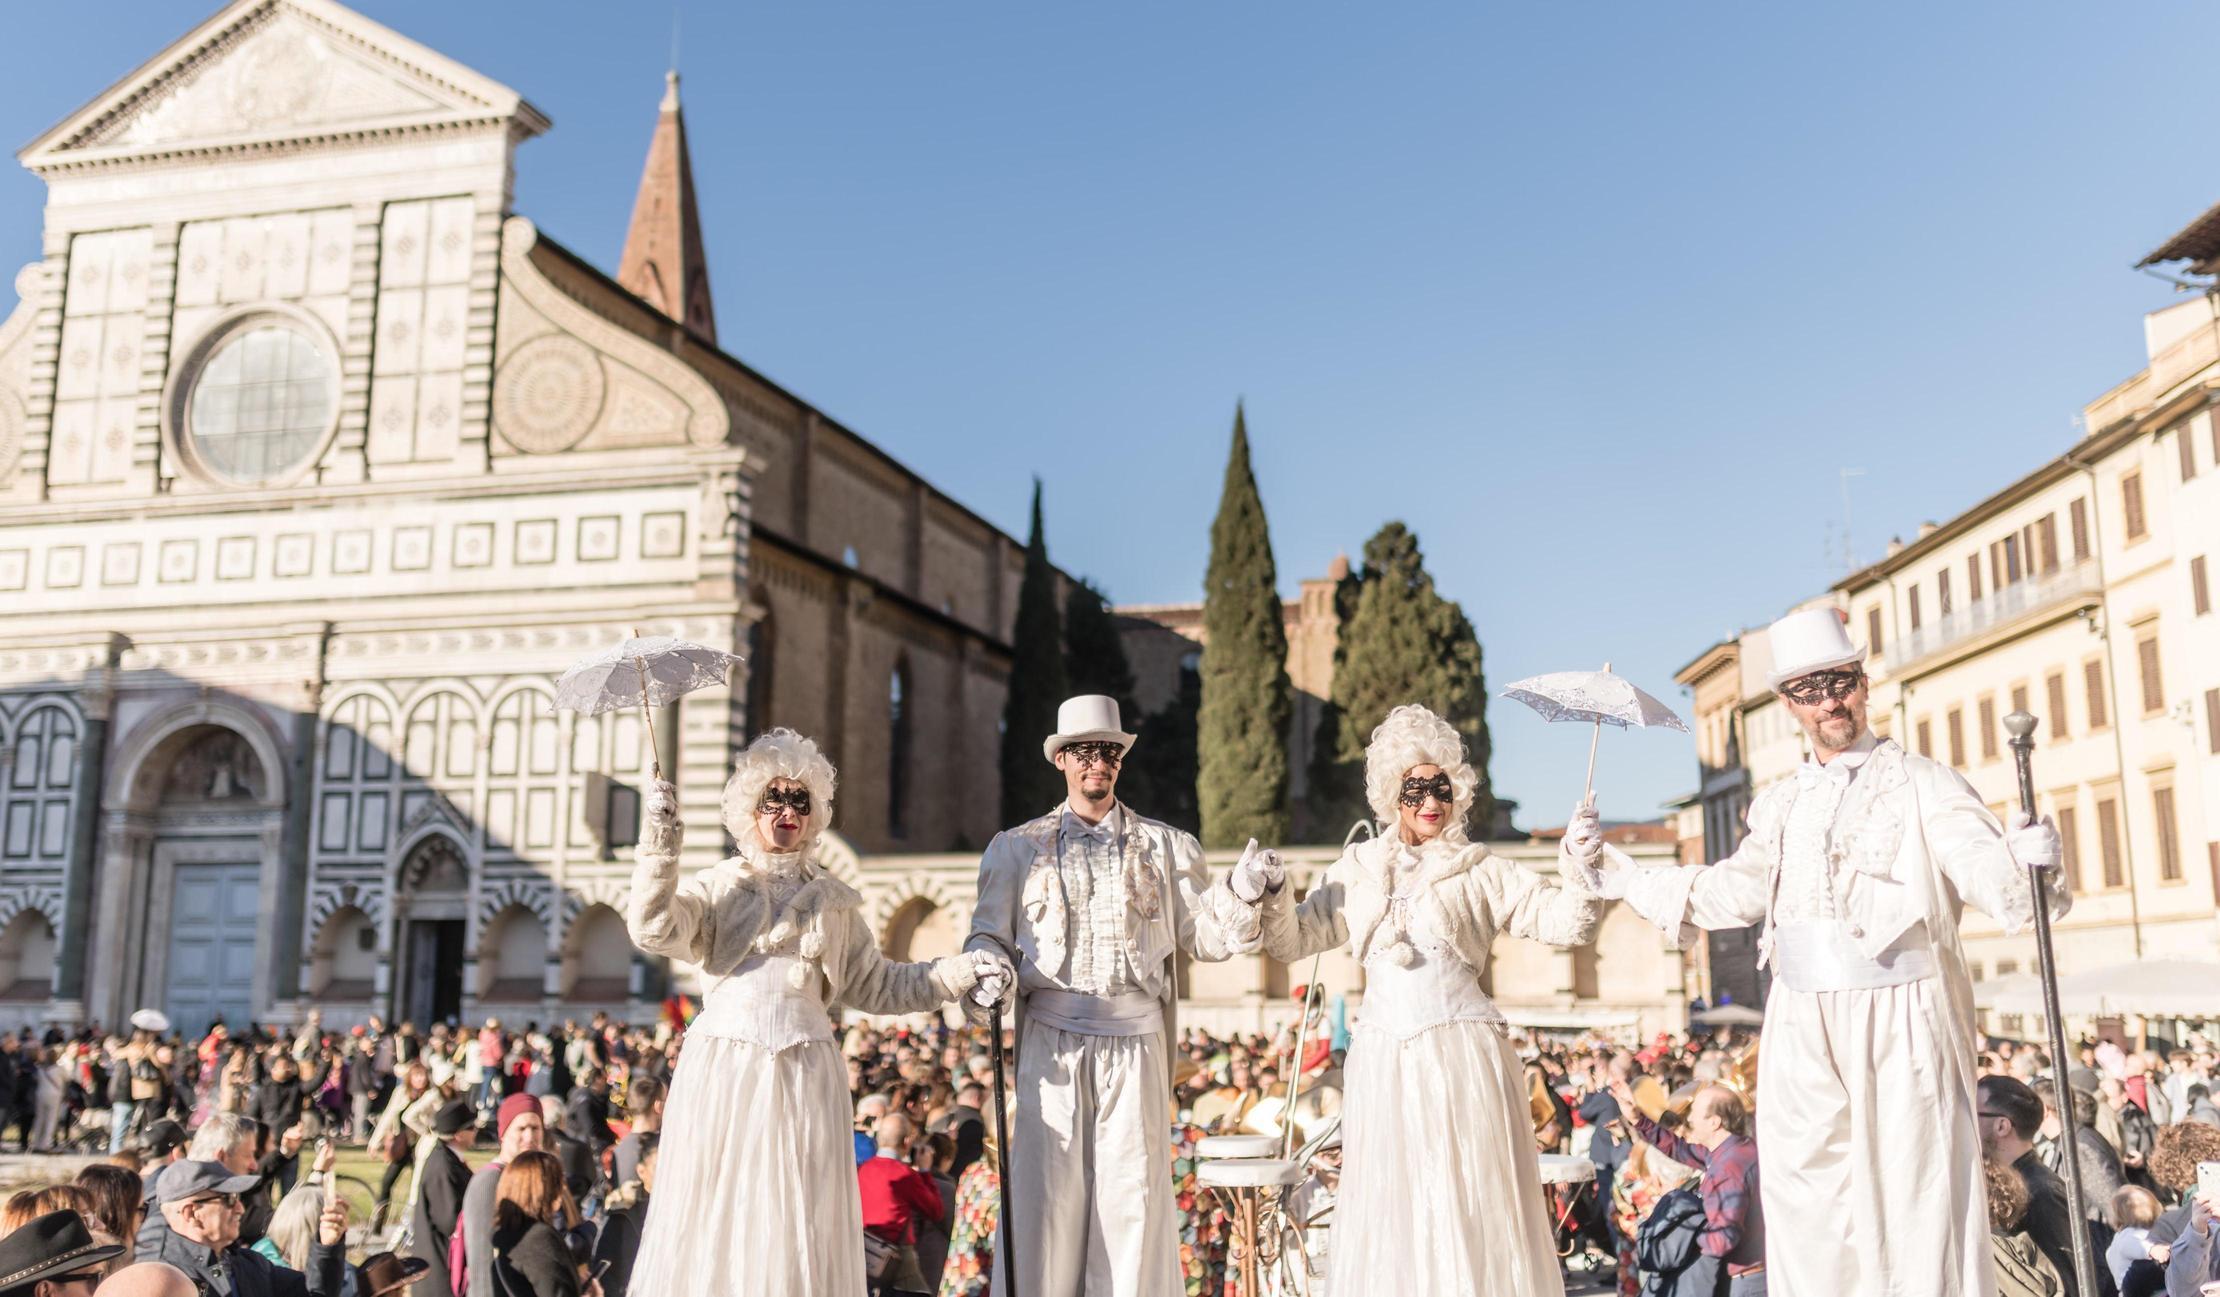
x: 655, y: 750
x: 1588, y: 798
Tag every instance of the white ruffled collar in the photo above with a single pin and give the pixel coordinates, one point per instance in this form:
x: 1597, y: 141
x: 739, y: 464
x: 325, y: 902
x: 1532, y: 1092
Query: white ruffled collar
x: 796, y: 865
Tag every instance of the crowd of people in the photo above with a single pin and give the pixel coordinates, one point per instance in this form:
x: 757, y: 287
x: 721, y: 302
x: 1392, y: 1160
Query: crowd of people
x: 522, y: 1162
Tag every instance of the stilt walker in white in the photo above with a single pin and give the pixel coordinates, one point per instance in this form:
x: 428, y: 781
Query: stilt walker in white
x: 1084, y: 909
x: 756, y: 1191
x: 1858, y: 868
x: 1441, y: 1192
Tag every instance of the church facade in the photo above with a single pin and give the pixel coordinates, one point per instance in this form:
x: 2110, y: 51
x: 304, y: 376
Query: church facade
x: 318, y: 462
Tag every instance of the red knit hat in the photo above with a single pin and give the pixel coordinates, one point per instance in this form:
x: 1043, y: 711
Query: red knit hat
x: 513, y: 1107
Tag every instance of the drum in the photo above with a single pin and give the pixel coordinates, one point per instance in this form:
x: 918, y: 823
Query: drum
x: 1560, y: 1168
x: 1213, y: 1147
x: 1252, y: 1184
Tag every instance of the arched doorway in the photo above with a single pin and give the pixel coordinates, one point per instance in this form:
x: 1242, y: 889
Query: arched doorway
x: 512, y: 957
x: 600, y: 957
x: 431, y: 930
x: 921, y: 930
x: 210, y: 873
x: 26, y: 958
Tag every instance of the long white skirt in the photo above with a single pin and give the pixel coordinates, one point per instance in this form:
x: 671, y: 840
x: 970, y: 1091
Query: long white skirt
x: 1441, y: 1193
x: 755, y: 1188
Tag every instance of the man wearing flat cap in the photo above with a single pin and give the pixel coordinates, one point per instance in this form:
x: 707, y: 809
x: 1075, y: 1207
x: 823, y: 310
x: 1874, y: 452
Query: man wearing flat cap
x: 1084, y: 909
x: 53, y: 1256
x: 200, y: 1200
x: 439, y: 1197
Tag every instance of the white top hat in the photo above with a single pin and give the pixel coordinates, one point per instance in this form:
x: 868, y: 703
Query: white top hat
x: 1816, y: 639
x: 1089, y: 718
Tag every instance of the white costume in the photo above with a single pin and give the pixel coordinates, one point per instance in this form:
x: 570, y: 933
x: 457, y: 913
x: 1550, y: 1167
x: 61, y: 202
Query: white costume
x: 756, y: 1191
x: 1440, y: 1191
x: 1858, y: 869
x: 1090, y: 915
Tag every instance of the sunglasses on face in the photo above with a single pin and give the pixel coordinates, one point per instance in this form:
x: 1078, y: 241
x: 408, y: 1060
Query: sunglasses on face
x: 1089, y: 754
x: 1416, y: 790
x: 1822, y: 686
x: 775, y: 800
x: 225, y: 1201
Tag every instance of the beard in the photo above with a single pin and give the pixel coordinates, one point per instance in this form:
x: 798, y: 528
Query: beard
x: 1096, y: 790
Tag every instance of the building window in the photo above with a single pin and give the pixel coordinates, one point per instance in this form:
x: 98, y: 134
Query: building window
x: 2187, y: 446
x: 2131, y: 505
x: 2069, y: 847
x: 262, y: 403
x: 1955, y: 726
x: 2079, y: 514
x: 1873, y: 630
x: 2092, y: 677
x: 761, y: 637
x: 898, y: 753
x: 2200, y: 591
x: 2212, y: 849
x: 1942, y: 593
x: 2046, y: 542
x: 2054, y: 687
x: 2019, y: 698
x: 1973, y: 577
x: 1926, y: 738
x: 1911, y: 605
x: 2146, y: 661
x: 1988, y: 729
x: 2212, y: 720
x: 2108, y: 841
x: 2169, y: 842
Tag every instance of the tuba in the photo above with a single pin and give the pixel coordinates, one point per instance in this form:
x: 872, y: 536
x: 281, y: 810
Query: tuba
x: 1741, y: 1074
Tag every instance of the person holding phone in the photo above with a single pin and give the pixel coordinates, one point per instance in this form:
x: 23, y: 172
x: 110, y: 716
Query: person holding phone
x: 2193, y: 1269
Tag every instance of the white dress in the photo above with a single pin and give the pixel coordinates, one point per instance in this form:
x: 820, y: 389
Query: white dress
x: 756, y: 1190
x: 1441, y: 1191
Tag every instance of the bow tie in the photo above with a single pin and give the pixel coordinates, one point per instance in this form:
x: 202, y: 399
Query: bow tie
x: 1079, y: 828
x: 1813, y: 775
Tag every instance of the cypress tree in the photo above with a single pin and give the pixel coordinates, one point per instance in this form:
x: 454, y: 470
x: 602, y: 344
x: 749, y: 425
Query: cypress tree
x: 1400, y: 642
x: 1094, y: 655
x: 1241, y: 736
x: 1031, y: 786
x: 1167, y: 760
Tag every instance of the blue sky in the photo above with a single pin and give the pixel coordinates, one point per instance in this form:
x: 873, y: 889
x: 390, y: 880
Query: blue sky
x: 1597, y: 298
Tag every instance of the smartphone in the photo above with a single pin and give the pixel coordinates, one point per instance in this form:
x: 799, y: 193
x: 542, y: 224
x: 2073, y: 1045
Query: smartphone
x: 601, y: 1268
x: 2208, y: 1179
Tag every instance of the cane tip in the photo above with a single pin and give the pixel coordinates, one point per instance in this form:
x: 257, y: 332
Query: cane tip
x: 2019, y: 725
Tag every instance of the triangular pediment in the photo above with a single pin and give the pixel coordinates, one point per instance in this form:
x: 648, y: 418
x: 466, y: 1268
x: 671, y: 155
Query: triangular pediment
x: 263, y: 73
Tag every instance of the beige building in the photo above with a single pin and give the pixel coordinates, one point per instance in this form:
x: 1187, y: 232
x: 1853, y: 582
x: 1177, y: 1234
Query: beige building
x: 2080, y: 593
x: 317, y: 463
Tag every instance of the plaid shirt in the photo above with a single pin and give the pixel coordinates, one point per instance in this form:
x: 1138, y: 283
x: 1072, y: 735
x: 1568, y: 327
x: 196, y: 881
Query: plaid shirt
x: 1734, y: 1221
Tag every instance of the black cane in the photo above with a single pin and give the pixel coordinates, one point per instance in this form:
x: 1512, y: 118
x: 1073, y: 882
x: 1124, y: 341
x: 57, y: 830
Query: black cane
x: 1002, y: 1154
x: 2021, y: 727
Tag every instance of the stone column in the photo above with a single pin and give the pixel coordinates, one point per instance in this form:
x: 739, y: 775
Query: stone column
x: 68, y: 1005
x: 292, y: 850
x: 126, y: 846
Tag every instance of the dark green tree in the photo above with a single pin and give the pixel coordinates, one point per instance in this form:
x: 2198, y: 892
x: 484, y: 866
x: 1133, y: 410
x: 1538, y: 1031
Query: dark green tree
x: 1095, y: 663
x: 1241, y: 736
x: 1030, y: 786
x: 1165, y: 758
x: 1400, y: 642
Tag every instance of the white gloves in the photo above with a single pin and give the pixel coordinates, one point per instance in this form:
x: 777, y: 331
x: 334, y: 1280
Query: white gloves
x: 661, y: 831
x: 1610, y: 884
x: 994, y: 981
x: 2034, y: 844
x: 1258, y: 871
x: 1583, y: 841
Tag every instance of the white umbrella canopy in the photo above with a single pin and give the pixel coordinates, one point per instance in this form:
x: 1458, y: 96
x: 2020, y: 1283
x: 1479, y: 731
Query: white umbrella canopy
x: 644, y: 671
x: 1728, y: 1015
x: 153, y: 1020
x: 1597, y: 697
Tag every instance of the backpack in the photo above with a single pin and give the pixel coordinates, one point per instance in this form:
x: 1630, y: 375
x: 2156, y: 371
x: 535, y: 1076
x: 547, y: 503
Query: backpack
x: 1667, y: 1242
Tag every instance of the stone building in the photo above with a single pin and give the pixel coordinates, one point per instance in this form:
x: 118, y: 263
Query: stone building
x: 318, y: 462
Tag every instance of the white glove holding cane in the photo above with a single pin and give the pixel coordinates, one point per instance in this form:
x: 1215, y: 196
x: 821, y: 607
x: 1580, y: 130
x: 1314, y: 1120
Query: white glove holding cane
x: 1259, y: 871
x: 996, y: 980
x: 2034, y: 843
x: 1580, y: 855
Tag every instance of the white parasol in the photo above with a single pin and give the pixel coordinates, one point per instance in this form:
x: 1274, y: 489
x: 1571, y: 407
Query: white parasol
x: 645, y: 671
x: 153, y: 1020
x: 1595, y: 696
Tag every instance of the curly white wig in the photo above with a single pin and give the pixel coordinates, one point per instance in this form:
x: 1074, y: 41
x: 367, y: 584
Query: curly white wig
x: 779, y: 754
x: 1410, y: 737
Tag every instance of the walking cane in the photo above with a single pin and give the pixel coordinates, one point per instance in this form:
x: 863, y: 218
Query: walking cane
x: 1008, y: 1249
x: 2021, y: 727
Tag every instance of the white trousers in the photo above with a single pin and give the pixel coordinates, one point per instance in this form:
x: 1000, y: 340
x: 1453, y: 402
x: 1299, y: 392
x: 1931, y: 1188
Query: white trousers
x: 1091, y: 1168
x: 1869, y: 1159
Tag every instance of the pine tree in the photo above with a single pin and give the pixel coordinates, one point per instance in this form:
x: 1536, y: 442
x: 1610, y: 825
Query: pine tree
x: 1241, y: 736
x: 1030, y: 785
x: 1400, y: 642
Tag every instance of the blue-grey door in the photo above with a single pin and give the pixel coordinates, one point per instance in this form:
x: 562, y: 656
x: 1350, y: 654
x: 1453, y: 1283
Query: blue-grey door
x: 211, y: 965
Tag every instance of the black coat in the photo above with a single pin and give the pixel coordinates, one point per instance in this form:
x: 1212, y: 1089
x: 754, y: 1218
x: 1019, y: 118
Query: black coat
x: 619, y: 1245
x: 534, y: 1262
x: 251, y: 1273
x: 439, y: 1200
x: 586, y: 1118
x: 581, y: 1169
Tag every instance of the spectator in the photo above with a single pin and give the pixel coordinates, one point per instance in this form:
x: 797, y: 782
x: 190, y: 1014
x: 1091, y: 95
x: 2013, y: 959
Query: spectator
x: 2131, y: 1213
x: 233, y: 1139
x: 643, y: 1102
x: 939, y: 1154
x: 52, y: 1255
x: 147, y: 1279
x: 2201, y: 1107
x: 292, y: 1236
x: 51, y: 1077
x: 966, y: 1124
x: 895, y: 1197
x: 444, y: 1179
x: 392, y: 1140
x: 2195, y: 1259
x: 2022, y: 1270
x: 532, y: 1256
x: 619, y: 1244
x: 2101, y: 1174
x: 521, y: 1130
x: 118, y: 1199
x: 580, y: 1172
x: 201, y: 1203
x: 26, y: 1205
x: 2011, y: 1116
x: 1717, y: 1140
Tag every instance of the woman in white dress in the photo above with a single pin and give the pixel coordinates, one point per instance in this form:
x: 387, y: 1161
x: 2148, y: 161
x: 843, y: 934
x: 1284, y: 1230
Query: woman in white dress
x: 756, y: 1189
x: 1440, y: 1190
